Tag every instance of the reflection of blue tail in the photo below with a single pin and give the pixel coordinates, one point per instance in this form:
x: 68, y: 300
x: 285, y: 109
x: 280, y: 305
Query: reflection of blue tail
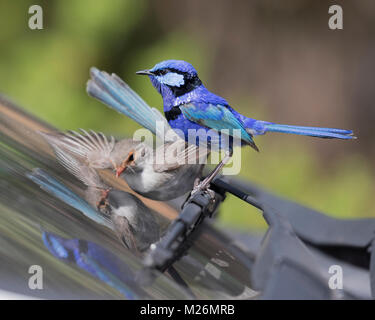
x: 97, y: 261
x: 56, y: 188
x: 328, y: 133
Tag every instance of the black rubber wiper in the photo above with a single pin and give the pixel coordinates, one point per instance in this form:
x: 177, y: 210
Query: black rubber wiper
x: 183, y: 231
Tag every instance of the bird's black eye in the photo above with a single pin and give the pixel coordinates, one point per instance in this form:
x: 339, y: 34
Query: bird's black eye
x: 131, y: 157
x: 162, y: 72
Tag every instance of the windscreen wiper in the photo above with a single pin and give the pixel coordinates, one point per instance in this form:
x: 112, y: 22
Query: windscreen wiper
x: 183, y: 231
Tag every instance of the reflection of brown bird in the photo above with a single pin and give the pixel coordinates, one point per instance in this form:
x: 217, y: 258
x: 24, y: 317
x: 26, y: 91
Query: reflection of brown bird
x: 133, y: 222
x: 133, y: 161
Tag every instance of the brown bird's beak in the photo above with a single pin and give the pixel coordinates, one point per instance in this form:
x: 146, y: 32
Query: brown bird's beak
x: 129, y: 161
x: 120, y: 170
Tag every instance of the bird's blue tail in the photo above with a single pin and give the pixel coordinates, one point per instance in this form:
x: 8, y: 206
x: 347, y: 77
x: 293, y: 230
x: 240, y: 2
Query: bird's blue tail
x: 115, y: 93
x: 327, y: 133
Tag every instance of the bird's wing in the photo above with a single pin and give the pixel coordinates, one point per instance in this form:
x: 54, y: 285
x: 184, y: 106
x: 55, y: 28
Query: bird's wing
x: 216, y: 117
x: 92, y: 148
x: 95, y: 146
x: 115, y: 93
x: 178, y: 153
x: 84, y: 173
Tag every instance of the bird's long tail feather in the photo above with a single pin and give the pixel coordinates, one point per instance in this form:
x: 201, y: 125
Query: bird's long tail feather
x: 327, y: 133
x: 115, y: 93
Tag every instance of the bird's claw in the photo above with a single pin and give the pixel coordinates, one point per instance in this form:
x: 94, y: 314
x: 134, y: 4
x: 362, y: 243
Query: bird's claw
x: 205, y: 188
x: 196, y: 183
x: 103, y: 199
x: 201, y: 186
x: 198, y: 186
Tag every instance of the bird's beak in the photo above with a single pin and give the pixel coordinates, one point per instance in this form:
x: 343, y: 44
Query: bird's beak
x: 145, y: 73
x: 120, y: 170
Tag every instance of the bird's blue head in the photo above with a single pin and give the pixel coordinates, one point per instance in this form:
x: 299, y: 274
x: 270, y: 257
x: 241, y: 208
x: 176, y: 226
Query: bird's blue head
x: 173, y: 77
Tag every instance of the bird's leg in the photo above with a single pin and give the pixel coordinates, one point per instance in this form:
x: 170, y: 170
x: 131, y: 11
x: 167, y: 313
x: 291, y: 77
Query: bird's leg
x: 196, y: 182
x: 103, y: 199
x: 206, y: 182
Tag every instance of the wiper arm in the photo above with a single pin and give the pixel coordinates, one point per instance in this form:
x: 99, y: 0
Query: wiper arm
x: 183, y: 231
x: 219, y: 183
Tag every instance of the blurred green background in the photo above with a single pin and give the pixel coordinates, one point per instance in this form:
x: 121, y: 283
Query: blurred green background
x: 274, y: 60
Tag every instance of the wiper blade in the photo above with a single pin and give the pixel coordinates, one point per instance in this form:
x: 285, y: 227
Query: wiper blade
x: 183, y: 231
